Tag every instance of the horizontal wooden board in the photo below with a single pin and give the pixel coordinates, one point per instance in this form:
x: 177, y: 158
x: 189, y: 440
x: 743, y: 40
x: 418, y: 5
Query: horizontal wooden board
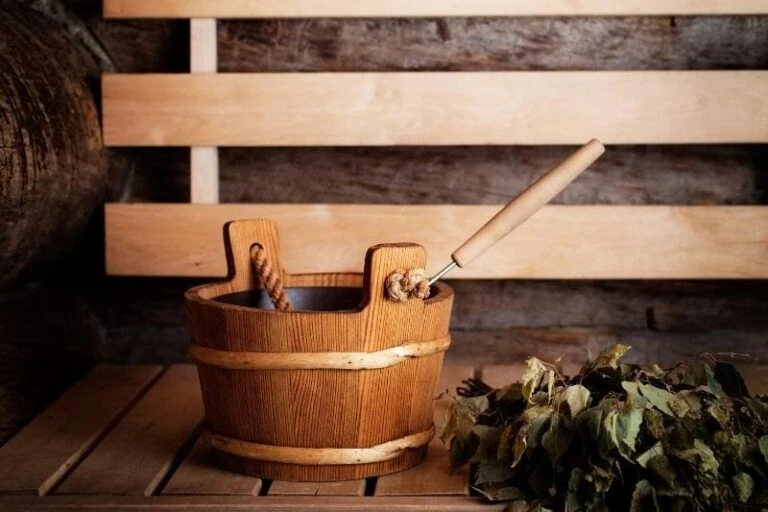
x: 559, y: 242
x: 240, y: 503
x: 198, y: 475
x: 137, y: 456
x: 343, y: 488
x: 36, y: 459
x: 475, y: 108
x: 406, y: 8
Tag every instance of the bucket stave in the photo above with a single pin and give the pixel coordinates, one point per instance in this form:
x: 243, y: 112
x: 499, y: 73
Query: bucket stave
x: 341, y: 390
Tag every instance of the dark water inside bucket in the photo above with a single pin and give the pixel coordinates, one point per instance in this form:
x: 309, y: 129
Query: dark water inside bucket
x: 316, y: 298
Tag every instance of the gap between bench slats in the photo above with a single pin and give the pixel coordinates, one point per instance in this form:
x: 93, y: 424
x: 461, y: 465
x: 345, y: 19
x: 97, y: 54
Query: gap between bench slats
x: 409, y: 8
x: 39, y: 456
x: 138, y: 455
x: 559, y: 242
x: 438, y: 108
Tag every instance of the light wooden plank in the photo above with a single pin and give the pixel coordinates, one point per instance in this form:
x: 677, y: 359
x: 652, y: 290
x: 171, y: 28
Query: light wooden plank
x: 452, y: 108
x: 240, y: 503
x: 407, y: 8
x: 204, y: 161
x: 198, y: 475
x: 344, y: 488
x: 137, y: 455
x: 39, y: 456
x: 559, y: 242
x: 432, y: 477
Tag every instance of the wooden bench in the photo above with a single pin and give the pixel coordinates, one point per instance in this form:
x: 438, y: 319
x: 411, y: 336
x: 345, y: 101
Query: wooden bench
x: 127, y: 438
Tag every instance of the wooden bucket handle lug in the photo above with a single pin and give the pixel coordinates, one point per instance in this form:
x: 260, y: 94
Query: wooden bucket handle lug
x: 380, y: 262
x: 239, y: 237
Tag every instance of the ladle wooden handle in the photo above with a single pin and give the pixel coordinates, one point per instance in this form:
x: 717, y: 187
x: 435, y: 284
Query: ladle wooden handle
x: 531, y: 200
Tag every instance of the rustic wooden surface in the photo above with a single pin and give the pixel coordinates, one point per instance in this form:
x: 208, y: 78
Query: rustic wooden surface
x: 443, y: 109
x: 558, y: 242
x: 429, y: 8
x: 53, y: 170
x: 191, y: 480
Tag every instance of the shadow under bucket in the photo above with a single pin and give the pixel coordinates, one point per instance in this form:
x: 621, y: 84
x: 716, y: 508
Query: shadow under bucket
x: 339, y: 388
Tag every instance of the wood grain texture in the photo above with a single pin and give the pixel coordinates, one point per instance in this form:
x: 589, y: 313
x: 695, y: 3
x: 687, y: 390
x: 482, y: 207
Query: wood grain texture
x: 574, y: 345
x: 204, y: 161
x: 137, y: 455
x: 35, y: 460
x: 382, y: 109
x: 433, y: 477
x: 625, y: 175
x: 481, y: 44
x: 343, y: 488
x: 430, y: 8
x: 239, y: 503
x: 50, y: 184
x: 562, y: 242
x: 309, y: 408
x: 197, y: 475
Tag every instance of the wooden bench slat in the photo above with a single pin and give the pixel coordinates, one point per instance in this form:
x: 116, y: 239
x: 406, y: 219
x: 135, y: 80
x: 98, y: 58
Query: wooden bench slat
x: 41, y: 454
x: 136, y: 456
x: 198, y: 475
x: 345, y: 488
x: 559, y: 242
x: 433, y: 477
x: 454, y: 108
x: 406, y: 8
x: 240, y: 503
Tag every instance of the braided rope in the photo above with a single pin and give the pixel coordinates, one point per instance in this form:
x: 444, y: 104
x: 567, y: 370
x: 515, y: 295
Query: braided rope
x: 270, y: 279
x: 403, y: 285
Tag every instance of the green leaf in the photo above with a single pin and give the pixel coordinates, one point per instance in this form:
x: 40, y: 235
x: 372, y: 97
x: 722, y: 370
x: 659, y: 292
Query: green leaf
x: 534, y: 372
x: 644, y: 498
x: 659, y: 398
x: 744, y: 486
x: 700, y: 457
x: 610, y: 356
x: 473, y: 406
x: 577, y: 397
x: 629, y: 424
x: 634, y: 399
x: 557, y: 439
x: 763, y: 445
x: 654, y: 422
x: 488, y: 443
x: 575, y: 483
x: 492, y: 472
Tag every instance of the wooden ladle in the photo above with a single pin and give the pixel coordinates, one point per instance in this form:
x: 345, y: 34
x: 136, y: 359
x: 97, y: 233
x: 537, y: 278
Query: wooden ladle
x: 522, y: 207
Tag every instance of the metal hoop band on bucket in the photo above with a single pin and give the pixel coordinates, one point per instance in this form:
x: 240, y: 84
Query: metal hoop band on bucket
x: 319, y: 456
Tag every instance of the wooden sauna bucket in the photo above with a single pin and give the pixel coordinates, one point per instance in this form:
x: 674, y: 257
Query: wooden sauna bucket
x: 340, y: 388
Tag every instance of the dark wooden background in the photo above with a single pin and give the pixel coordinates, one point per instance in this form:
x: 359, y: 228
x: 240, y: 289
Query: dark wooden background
x: 142, y: 320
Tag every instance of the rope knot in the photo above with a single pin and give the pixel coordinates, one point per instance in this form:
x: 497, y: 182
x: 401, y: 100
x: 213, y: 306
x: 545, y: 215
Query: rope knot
x: 402, y: 285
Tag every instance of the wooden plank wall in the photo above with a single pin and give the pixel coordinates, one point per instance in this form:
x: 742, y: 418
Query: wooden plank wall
x: 143, y: 319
